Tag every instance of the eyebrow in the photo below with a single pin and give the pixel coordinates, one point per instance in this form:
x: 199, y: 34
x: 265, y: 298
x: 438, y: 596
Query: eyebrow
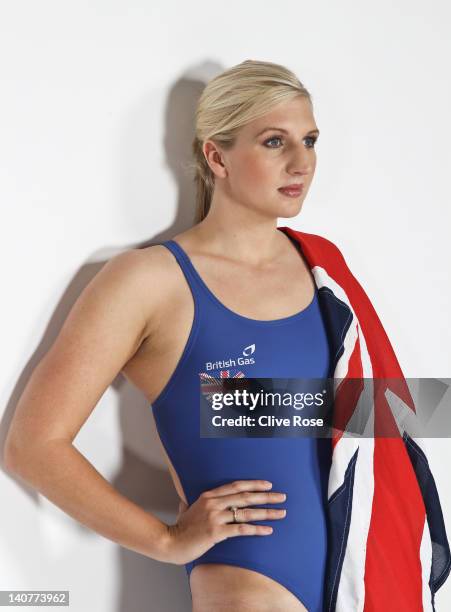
x: 266, y: 129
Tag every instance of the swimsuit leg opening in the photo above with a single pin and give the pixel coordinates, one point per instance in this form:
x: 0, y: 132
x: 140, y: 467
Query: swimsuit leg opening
x: 265, y: 571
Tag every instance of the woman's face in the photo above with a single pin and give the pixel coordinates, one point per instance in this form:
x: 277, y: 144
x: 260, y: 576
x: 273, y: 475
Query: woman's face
x: 263, y: 160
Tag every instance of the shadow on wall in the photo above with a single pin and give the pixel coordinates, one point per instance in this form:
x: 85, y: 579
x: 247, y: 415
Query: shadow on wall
x: 145, y: 584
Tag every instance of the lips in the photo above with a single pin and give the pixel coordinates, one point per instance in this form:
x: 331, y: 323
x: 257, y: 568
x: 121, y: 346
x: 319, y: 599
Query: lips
x: 295, y: 189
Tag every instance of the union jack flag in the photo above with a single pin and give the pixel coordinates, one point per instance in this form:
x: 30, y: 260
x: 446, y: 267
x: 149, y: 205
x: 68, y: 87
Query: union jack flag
x: 212, y: 383
x: 387, y: 543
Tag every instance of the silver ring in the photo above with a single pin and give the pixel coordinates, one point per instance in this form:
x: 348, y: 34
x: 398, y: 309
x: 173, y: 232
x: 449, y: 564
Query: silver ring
x: 234, y: 509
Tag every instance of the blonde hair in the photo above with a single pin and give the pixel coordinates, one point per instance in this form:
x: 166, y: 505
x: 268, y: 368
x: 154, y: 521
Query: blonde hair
x: 229, y: 101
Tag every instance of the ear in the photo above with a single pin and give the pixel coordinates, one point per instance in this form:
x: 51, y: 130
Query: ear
x: 215, y: 158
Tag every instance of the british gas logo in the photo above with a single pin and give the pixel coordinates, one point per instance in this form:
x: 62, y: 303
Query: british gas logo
x: 244, y: 359
x: 249, y: 350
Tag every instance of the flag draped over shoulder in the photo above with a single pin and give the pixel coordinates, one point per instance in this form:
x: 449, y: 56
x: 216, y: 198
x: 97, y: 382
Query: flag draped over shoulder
x: 387, y: 543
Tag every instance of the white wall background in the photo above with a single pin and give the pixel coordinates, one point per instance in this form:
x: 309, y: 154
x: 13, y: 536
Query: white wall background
x: 96, y: 115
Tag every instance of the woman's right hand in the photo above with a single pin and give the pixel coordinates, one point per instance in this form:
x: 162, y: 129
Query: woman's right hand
x: 209, y: 520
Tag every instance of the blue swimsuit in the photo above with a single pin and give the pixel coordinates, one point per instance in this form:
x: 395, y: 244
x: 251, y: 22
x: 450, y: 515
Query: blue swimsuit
x: 295, y: 346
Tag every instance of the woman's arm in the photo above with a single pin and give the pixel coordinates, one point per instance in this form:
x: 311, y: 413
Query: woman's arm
x: 102, y: 332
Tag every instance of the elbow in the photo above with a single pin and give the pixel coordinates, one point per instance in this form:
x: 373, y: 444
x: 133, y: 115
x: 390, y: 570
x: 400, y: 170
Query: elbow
x: 31, y: 461
x: 10, y: 456
x: 14, y: 456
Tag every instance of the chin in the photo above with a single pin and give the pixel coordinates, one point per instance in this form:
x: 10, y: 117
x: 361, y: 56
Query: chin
x: 291, y: 210
x: 287, y: 209
x: 284, y: 214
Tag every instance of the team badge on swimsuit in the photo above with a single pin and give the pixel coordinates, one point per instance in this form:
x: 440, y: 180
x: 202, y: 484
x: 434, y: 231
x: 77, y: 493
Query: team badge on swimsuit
x: 210, y: 384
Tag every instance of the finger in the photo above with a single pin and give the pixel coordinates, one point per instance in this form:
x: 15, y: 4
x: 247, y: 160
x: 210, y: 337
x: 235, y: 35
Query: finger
x: 249, y: 498
x: 231, y: 530
x: 235, y: 486
x: 244, y: 515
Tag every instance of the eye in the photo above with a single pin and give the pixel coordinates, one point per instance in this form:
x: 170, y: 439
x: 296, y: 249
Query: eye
x: 312, y: 139
x: 270, y: 139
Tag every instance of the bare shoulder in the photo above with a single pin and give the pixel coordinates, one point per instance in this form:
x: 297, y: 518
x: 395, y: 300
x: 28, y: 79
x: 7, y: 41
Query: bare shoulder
x: 101, y: 334
x: 154, y: 263
x: 148, y: 274
x: 129, y: 293
x: 140, y: 264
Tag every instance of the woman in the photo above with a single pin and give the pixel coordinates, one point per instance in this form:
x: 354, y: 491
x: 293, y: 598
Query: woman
x: 232, y: 284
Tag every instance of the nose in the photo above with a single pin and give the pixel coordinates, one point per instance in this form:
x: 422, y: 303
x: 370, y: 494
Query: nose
x: 301, y: 160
